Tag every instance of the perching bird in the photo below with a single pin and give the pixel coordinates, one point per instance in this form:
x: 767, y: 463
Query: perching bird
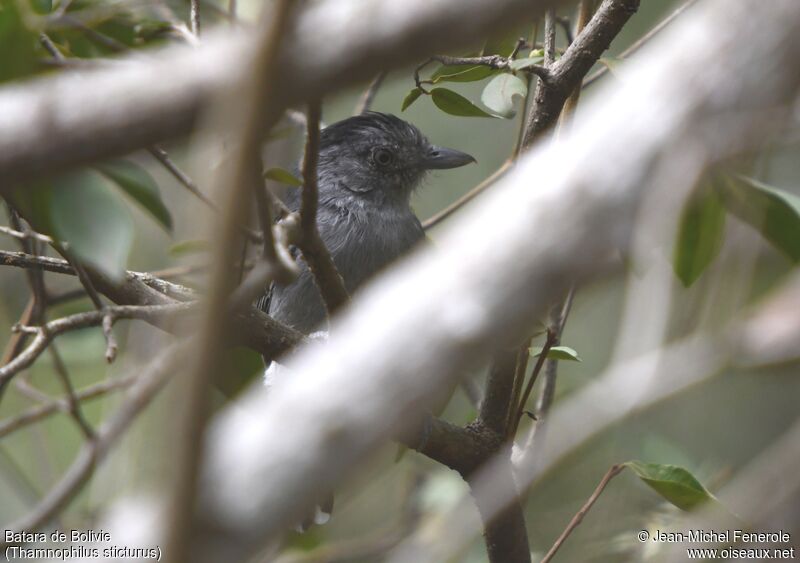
x: 369, y: 165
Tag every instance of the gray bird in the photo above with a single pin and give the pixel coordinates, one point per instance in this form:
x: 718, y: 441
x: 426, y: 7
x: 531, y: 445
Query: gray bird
x: 369, y: 165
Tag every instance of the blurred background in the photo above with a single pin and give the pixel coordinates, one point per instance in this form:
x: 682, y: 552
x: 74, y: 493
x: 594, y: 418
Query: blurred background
x: 712, y: 430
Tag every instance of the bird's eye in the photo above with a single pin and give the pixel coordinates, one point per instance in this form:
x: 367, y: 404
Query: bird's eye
x: 383, y: 157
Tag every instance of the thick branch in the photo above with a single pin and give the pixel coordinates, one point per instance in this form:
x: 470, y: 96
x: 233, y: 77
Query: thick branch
x: 45, y: 334
x: 619, y: 148
x: 249, y: 327
x: 72, y: 118
x: 578, y: 59
x: 327, y: 277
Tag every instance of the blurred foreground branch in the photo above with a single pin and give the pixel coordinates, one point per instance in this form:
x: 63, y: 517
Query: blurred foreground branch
x: 75, y: 117
x: 590, y: 185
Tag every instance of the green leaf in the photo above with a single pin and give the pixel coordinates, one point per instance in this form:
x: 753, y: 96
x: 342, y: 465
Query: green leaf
x: 189, y: 247
x: 456, y: 104
x: 139, y: 185
x: 502, y: 45
x: 242, y: 367
x: 774, y: 213
x: 557, y: 353
x: 84, y: 211
x: 410, y: 98
x: 42, y: 6
x: 700, y: 234
x: 521, y: 64
x: 17, y: 43
x: 673, y: 483
x: 499, y: 94
x: 282, y: 176
x: 461, y: 73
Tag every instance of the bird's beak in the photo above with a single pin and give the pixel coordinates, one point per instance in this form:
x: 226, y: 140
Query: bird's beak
x: 440, y: 158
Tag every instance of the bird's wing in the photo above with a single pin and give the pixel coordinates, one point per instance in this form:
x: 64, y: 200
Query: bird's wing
x: 265, y: 299
x: 292, y: 200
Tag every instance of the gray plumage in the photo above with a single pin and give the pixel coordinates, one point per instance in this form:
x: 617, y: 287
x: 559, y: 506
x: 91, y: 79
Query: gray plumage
x: 369, y: 165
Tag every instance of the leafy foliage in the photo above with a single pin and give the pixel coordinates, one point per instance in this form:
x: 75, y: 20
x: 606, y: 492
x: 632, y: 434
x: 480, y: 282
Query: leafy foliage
x: 456, y: 104
x: 140, y: 186
x: 674, y: 484
x: 282, y: 176
x: 773, y: 212
x: 83, y: 210
x: 499, y: 94
x: 557, y: 353
x: 17, y: 44
x: 410, y: 98
x: 700, y: 234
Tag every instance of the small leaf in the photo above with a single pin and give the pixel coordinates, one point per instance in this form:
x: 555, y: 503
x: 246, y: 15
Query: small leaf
x: 189, y: 247
x: 700, y: 234
x: 557, y: 353
x: 461, y: 73
x: 775, y: 213
x: 499, y: 94
x: 17, y: 43
x: 673, y: 483
x: 502, y: 45
x: 410, y: 98
x: 456, y: 104
x: 83, y: 210
x: 282, y: 176
x: 521, y: 64
x: 139, y: 185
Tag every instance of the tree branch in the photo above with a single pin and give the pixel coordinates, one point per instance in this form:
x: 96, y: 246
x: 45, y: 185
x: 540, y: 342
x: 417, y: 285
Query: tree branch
x: 327, y: 277
x: 46, y: 333
x: 249, y: 327
x: 578, y: 59
x: 40, y: 412
x: 139, y: 396
x: 140, y: 108
x: 578, y: 518
x: 619, y: 148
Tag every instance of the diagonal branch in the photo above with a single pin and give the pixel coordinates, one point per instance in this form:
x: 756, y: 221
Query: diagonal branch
x: 249, y: 327
x: 319, y: 260
x: 134, y: 98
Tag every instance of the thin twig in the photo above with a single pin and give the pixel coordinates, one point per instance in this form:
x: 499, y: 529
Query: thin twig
x: 35, y: 310
x: 25, y: 235
x: 566, y: 26
x: 155, y: 150
x: 497, y: 62
x: 194, y: 17
x: 141, y: 393
x: 548, y: 343
x: 466, y: 198
x: 161, y: 156
x: 578, y: 518
x: 183, y: 179
x: 51, y: 407
x: 45, y: 334
x: 365, y: 103
x: 73, y: 404
x: 58, y: 266
x: 316, y: 255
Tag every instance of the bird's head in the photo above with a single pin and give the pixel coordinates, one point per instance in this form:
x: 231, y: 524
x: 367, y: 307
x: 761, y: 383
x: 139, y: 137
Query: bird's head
x: 377, y: 154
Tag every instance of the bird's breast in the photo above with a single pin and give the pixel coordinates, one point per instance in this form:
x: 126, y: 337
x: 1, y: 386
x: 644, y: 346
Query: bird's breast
x: 364, y: 240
